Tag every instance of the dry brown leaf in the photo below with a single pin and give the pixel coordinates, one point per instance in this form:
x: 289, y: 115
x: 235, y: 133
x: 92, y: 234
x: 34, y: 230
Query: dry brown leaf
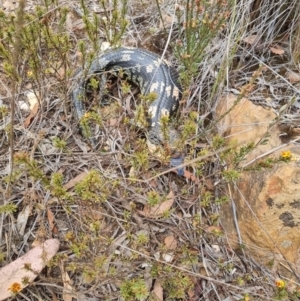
x: 51, y: 220
x: 30, y: 117
x: 54, y: 297
x: 67, y: 294
x: 195, y: 292
x: 67, y: 287
x: 159, y: 209
x: 277, y: 50
x: 26, y: 267
x: 114, y: 122
x: 23, y: 218
x: 250, y: 39
x: 209, y: 184
x: 75, y: 180
x: 293, y: 77
x: 170, y: 242
x: 158, y: 290
x: 190, y: 176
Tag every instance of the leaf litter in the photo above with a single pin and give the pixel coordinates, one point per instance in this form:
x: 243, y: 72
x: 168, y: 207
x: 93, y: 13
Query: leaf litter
x: 106, y: 229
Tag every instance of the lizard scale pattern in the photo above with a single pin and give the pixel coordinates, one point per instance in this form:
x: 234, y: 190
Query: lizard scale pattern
x: 149, y: 72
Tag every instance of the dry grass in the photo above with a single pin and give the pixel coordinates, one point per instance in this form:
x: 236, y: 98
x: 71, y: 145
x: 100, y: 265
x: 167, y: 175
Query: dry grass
x: 106, y: 236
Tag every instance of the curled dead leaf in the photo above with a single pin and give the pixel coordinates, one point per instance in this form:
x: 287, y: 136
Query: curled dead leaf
x: 277, y: 50
x: 67, y: 293
x: 251, y: 39
x: 23, y: 218
x: 26, y: 267
x: 293, y: 77
x: 75, y: 180
x: 159, y: 209
x: 170, y: 242
x: 190, y: 176
x: 32, y: 114
x: 51, y: 220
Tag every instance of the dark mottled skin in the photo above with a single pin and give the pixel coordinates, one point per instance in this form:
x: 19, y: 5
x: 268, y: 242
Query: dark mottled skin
x: 149, y: 72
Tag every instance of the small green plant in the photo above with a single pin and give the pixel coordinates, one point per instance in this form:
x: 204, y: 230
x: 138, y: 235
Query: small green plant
x: 95, y: 187
x: 114, y: 21
x: 218, y: 142
x: 2, y: 255
x: 59, y: 143
x: 285, y: 156
x: 134, y: 289
x: 56, y: 187
x: 240, y: 281
x: 206, y: 199
x: 32, y: 167
x: 241, y: 153
x: 189, y: 129
x: 231, y: 175
x: 142, y: 238
x: 125, y: 87
x: 3, y: 111
x: 90, y: 117
x: 153, y: 198
x: 221, y: 200
x: 8, y: 208
x: 177, y: 285
x: 140, y: 161
x: 89, y: 274
x: 197, y: 222
x: 100, y: 261
x: 149, y: 97
x: 80, y: 246
x: 202, y: 21
x: 140, y: 118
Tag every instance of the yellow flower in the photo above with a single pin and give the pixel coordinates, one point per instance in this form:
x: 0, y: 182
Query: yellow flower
x: 15, y: 288
x: 247, y: 298
x: 279, y: 283
x: 286, y: 155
